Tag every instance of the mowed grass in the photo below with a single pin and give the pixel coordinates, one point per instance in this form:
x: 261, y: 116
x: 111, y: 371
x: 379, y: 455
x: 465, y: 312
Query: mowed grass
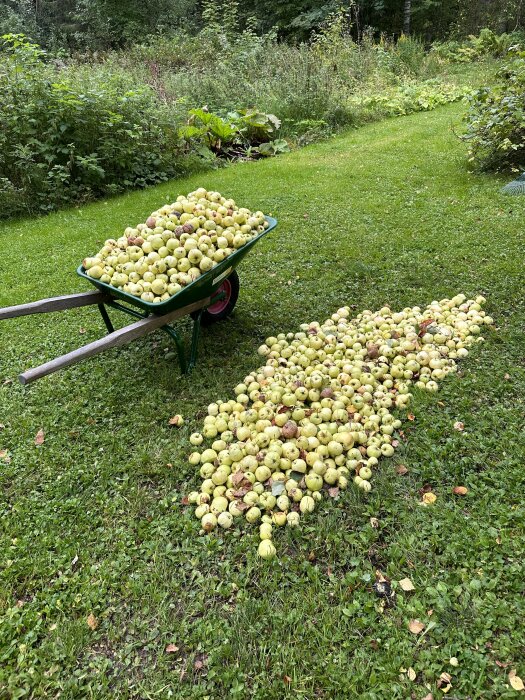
x: 92, y: 521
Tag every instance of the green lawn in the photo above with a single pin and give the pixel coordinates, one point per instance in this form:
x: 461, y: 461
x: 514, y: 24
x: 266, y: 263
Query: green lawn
x: 91, y: 521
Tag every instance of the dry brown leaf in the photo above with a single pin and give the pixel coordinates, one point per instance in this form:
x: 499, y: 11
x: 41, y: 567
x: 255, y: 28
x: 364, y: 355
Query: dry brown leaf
x: 92, y: 622
x: 411, y: 416
x: 416, y: 627
x: 458, y: 425
x: 176, y: 421
x: 411, y: 674
x: 374, y: 522
x: 445, y: 677
x: 200, y: 661
x: 287, y: 680
x: 401, y: 470
x: 460, y: 490
x: 333, y: 492
x: 237, y: 478
x: 502, y: 664
x: 40, y: 437
x: 7, y: 381
x: 171, y: 649
x: 407, y: 585
x: 429, y: 498
x: 516, y: 681
x: 4, y: 456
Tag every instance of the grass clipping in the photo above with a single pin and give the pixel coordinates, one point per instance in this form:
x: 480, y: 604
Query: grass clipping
x: 319, y: 414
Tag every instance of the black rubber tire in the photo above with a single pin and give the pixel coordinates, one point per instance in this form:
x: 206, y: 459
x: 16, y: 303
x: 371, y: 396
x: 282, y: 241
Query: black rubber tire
x: 209, y: 317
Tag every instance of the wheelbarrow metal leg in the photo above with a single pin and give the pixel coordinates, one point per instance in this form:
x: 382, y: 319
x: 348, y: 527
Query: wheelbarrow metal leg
x: 195, y: 340
x: 180, y: 347
x: 106, y: 318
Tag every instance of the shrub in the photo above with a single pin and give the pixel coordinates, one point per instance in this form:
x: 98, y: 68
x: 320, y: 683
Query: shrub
x: 72, y: 135
x: 495, y: 122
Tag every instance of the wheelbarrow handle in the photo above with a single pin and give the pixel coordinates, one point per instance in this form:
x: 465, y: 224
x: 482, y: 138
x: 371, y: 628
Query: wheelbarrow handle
x: 112, y: 340
x: 44, y: 306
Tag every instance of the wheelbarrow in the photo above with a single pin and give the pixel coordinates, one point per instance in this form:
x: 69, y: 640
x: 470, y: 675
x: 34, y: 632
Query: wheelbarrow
x: 209, y: 298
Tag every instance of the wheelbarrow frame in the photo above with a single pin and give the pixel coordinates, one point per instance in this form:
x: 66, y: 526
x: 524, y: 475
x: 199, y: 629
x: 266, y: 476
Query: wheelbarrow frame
x: 193, y: 299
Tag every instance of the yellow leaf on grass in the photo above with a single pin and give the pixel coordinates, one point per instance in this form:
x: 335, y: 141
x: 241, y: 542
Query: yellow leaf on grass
x: 411, y: 674
x: 429, y: 498
x: 516, y: 681
x: 407, y: 585
x: 415, y: 626
x: 92, y: 622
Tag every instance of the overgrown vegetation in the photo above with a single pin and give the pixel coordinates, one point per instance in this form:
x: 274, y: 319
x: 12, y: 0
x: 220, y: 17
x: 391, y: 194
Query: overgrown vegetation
x: 106, y: 589
x: 73, y: 131
x: 495, y: 125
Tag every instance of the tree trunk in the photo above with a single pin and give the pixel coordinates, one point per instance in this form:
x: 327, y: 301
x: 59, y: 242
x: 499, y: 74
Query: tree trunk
x: 406, y: 16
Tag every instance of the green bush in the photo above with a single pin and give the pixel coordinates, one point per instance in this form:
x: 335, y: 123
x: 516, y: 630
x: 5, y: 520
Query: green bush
x: 69, y: 135
x: 488, y: 43
x: 496, y: 121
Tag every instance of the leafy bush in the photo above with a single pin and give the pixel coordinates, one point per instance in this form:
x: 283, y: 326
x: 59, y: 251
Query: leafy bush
x: 244, y: 133
x: 69, y: 135
x: 477, y: 47
x: 495, y: 120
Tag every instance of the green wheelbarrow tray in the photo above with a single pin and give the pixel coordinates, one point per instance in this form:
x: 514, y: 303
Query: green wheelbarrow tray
x: 204, y: 286
x: 211, y: 296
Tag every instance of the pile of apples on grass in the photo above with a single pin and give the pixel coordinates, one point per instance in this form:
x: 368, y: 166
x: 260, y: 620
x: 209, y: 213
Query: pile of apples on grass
x: 177, y: 244
x: 319, y: 413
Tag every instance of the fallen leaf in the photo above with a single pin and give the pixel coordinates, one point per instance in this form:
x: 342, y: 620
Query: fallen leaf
x: 401, y: 470
x: 171, y: 649
x: 176, y: 421
x: 2, y: 426
x: 237, y: 478
x: 429, y: 498
x: 458, y: 425
x: 374, y: 522
x: 185, y: 501
x: 415, y: 626
x: 430, y: 612
x: 502, y: 664
x: 287, y: 680
x: 39, y: 437
x: 92, y: 622
x: 446, y: 688
x: 4, y: 456
x: 411, y: 416
x: 429, y: 696
x: 407, y: 585
x: 311, y: 556
x: 445, y: 677
x: 460, y: 490
x: 7, y: 381
x: 516, y: 681
x: 333, y: 491
x: 81, y: 331
x: 395, y: 443
x: 453, y: 661
x: 411, y: 674
x: 200, y: 662
x: 507, y: 376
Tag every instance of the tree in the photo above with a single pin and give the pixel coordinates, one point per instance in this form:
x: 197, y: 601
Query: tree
x: 406, y: 16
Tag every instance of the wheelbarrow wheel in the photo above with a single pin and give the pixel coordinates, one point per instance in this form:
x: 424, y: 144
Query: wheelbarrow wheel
x: 223, y: 307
